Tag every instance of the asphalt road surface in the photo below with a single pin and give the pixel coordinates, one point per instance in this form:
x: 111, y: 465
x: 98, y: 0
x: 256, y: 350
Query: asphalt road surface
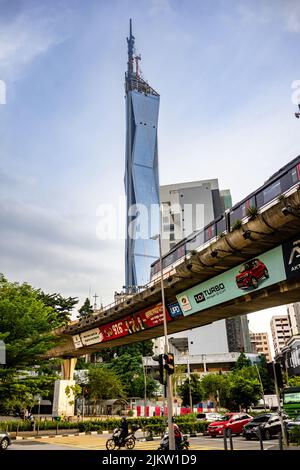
x: 97, y: 442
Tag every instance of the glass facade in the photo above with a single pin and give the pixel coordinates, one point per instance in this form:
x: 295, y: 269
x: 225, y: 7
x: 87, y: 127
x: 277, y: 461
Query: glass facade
x: 141, y: 175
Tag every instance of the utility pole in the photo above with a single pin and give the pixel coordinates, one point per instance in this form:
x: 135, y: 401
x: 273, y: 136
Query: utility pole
x: 169, y: 381
x: 145, y: 387
x: 189, y: 378
x: 261, y: 384
x: 279, y: 406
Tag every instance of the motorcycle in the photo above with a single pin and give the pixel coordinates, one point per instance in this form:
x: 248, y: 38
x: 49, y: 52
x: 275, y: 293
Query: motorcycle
x: 115, y: 441
x: 183, y: 444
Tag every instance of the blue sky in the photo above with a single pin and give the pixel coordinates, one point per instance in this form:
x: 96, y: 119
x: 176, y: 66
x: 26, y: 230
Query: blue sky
x: 224, y: 70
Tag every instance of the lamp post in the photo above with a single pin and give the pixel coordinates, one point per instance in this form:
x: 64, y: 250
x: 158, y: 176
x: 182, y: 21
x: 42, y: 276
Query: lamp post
x: 169, y: 383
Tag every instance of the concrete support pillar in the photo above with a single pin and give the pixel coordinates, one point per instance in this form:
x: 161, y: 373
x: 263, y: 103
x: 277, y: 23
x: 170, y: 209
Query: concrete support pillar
x: 63, y: 405
x: 67, y: 368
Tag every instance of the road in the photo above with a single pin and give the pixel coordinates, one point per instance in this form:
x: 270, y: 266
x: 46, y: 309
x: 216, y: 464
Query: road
x: 97, y: 442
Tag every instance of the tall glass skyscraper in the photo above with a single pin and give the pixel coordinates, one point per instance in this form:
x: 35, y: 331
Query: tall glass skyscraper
x: 141, y: 172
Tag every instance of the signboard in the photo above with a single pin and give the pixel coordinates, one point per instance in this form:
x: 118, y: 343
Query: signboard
x: 174, y: 310
x: 291, y: 255
x: 255, y: 274
x: 147, y: 318
x: 91, y: 337
x: 77, y: 341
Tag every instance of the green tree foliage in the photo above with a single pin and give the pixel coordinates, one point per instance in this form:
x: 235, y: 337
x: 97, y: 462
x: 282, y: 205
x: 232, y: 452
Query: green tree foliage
x: 25, y: 326
x: 104, y: 383
x: 294, y: 381
x: 62, y: 307
x: 244, y: 389
x: 86, y: 309
x: 196, y: 390
x: 215, y: 388
x: 267, y: 381
x: 242, y: 361
x: 129, y: 368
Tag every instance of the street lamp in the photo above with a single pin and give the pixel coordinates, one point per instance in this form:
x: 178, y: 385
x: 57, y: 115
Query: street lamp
x: 169, y: 384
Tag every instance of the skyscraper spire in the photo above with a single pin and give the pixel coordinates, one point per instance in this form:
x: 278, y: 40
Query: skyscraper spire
x: 130, y: 43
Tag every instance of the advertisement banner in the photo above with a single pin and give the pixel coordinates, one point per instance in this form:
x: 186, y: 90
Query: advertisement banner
x: 255, y: 274
x: 174, y: 310
x: 147, y: 318
x: 291, y: 255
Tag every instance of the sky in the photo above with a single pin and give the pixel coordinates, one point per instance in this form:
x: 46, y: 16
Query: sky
x: 225, y: 71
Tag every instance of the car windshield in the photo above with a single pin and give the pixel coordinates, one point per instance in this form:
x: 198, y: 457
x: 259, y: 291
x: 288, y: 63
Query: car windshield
x: 224, y: 418
x: 260, y: 419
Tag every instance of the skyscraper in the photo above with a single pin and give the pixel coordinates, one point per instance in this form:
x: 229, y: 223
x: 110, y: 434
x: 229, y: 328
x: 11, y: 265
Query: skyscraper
x: 141, y: 172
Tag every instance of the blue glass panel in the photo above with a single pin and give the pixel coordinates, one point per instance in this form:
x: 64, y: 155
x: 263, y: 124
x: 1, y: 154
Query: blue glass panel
x: 145, y: 108
x: 144, y: 145
x: 145, y: 187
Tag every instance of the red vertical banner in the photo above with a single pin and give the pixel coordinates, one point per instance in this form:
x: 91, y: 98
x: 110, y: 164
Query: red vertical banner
x: 138, y: 410
x: 200, y: 410
x: 147, y: 410
x: 157, y: 411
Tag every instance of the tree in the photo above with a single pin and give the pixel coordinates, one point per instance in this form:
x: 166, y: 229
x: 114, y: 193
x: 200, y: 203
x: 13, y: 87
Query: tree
x: 267, y: 381
x: 25, y: 325
x: 130, y: 370
x: 196, y: 390
x: 215, y: 388
x: 62, y: 306
x: 294, y: 381
x: 86, y: 309
x: 242, y: 361
x: 244, y: 389
x: 103, y: 384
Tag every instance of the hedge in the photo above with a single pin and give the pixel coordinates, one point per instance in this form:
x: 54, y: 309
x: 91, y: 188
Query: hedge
x: 153, y: 426
x: 294, y: 435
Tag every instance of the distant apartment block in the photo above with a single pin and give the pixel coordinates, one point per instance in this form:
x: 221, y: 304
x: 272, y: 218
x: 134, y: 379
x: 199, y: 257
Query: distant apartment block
x: 281, y: 332
x: 294, y: 318
x: 260, y: 344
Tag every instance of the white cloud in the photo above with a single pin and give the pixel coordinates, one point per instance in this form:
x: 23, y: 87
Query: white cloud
x: 160, y: 7
x: 291, y: 12
x: 30, y: 34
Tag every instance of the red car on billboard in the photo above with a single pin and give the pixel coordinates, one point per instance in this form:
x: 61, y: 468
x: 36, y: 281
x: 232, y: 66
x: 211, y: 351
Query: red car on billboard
x: 233, y: 421
x: 250, y: 273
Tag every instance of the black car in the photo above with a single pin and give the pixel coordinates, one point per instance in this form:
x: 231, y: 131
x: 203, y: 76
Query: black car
x: 269, y: 424
x: 5, y: 440
x: 292, y: 424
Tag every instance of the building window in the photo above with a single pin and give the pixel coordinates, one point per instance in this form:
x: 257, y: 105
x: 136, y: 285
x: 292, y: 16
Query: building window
x: 172, y: 236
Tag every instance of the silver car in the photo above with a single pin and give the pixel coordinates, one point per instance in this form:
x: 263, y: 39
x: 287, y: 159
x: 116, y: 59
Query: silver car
x: 5, y: 440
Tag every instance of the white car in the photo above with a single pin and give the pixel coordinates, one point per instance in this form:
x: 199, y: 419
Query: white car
x: 210, y: 417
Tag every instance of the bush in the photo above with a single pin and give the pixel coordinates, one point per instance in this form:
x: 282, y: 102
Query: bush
x: 295, y: 435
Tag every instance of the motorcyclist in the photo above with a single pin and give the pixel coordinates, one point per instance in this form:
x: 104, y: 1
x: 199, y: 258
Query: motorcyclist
x: 124, y: 429
x: 177, y: 434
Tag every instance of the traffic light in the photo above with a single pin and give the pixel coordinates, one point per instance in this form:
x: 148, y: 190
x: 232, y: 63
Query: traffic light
x: 169, y: 363
x: 160, y: 360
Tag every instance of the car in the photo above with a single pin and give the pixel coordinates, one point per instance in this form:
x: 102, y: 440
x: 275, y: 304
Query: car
x: 210, y: 417
x: 233, y: 421
x: 250, y: 273
x: 269, y: 424
x: 293, y: 423
x: 5, y: 440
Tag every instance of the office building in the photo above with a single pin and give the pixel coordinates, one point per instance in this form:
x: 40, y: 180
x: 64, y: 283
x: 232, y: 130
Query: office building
x: 281, y: 332
x: 187, y: 207
x: 294, y: 318
x: 141, y: 173
x: 260, y: 344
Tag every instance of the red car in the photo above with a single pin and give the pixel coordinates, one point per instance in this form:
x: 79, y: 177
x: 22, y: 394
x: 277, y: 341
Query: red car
x: 233, y: 421
x: 250, y: 273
